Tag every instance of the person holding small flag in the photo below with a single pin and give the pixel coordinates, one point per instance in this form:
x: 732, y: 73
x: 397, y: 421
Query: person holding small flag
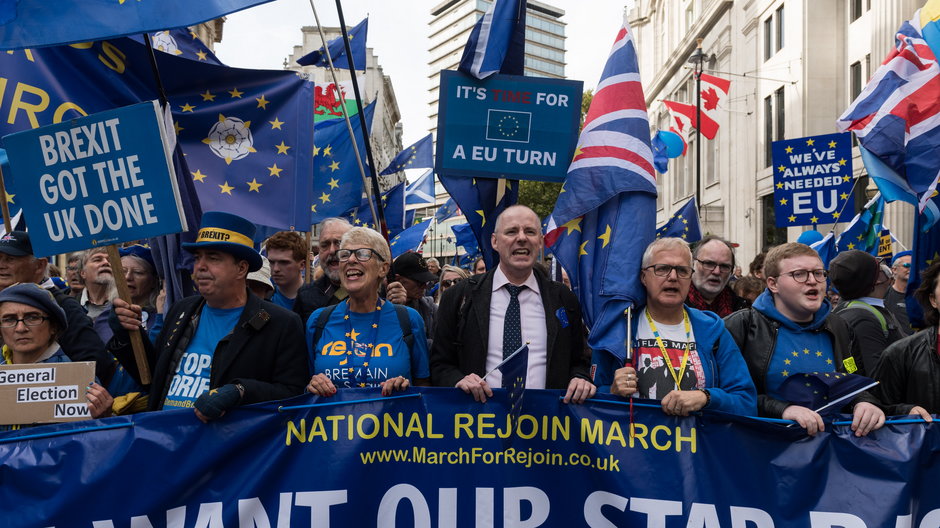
x: 683, y: 357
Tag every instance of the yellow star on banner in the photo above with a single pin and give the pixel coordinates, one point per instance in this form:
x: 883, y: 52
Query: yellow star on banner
x: 796, y: 354
x: 235, y: 93
x: 177, y: 128
x: 844, y: 196
x: 829, y: 362
x: 818, y: 353
x: 806, y: 351
x: 253, y: 185
x: 573, y: 225
x: 277, y: 124
x: 199, y: 176
x: 333, y: 183
x: 313, y: 208
x: 316, y: 150
x: 842, y: 161
x: 786, y: 361
x: 845, y: 178
x: 208, y: 96
x: 354, y: 334
x: 606, y: 237
x: 201, y: 55
x: 791, y: 218
x: 781, y: 168
x: 274, y: 170
x: 850, y: 245
x: 581, y: 250
x: 334, y: 166
x: 187, y: 108
x: 328, y: 151
x: 10, y: 197
x: 789, y: 150
x: 282, y: 148
x: 785, y: 373
x: 262, y: 102
x: 810, y: 142
x: 783, y: 201
x: 832, y: 144
x: 324, y: 197
x: 860, y: 237
x: 835, y: 215
x: 780, y: 185
x: 226, y: 189
x: 813, y: 219
x: 482, y: 217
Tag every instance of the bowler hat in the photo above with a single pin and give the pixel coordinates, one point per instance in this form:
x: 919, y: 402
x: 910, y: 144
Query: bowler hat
x: 32, y: 294
x: 229, y: 233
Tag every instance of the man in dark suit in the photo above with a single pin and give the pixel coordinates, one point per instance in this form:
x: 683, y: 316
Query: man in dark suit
x: 484, y: 319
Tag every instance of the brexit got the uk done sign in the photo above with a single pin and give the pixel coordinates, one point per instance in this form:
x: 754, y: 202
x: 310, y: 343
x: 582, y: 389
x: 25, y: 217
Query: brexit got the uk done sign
x: 507, y: 126
x: 812, y: 180
x: 98, y: 180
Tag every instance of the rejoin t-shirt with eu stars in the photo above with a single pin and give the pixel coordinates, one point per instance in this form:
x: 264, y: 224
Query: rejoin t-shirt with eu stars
x: 654, y: 381
x: 191, y: 378
x: 367, y: 356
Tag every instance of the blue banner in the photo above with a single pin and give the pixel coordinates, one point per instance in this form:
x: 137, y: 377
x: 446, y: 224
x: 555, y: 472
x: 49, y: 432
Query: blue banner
x: 507, y: 126
x: 434, y: 457
x: 94, y: 181
x: 813, y: 180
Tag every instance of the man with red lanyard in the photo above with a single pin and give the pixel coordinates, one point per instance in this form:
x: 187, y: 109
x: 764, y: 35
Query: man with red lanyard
x: 682, y: 356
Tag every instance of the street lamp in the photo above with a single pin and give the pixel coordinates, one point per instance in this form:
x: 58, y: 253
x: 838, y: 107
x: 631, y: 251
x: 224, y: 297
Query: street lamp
x: 697, y: 59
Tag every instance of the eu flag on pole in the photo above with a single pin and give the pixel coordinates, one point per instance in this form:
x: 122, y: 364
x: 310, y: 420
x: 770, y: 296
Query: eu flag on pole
x: 337, y: 182
x: 37, y: 23
x: 410, y: 239
x: 826, y: 248
x: 463, y: 234
x: 896, y: 118
x: 421, y: 191
x: 684, y: 224
x: 481, y: 201
x: 605, y: 215
x: 817, y: 390
x: 393, y: 202
x: 497, y: 41
x: 181, y: 42
x: 447, y: 210
x: 925, y: 251
x: 864, y: 230
x: 417, y: 156
x: 357, y: 43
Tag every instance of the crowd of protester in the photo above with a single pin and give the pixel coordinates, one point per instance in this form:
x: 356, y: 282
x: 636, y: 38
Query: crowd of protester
x: 274, y: 323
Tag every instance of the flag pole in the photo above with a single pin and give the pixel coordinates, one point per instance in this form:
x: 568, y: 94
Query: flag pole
x: 342, y: 107
x: 697, y: 59
x: 376, y: 191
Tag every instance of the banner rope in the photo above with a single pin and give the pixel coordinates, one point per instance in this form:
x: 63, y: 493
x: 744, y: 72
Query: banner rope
x: 64, y: 432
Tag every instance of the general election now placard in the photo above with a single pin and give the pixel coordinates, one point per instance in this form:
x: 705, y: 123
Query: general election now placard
x: 102, y: 179
x: 507, y: 126
x: 44, y: 392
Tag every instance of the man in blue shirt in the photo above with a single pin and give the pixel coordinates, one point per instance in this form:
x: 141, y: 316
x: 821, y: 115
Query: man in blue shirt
x: 287, y: 254
x: 225, y: 346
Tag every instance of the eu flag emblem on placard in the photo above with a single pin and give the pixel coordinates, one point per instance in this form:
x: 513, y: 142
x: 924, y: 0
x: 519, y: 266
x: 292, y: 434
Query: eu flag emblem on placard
x: 506, y: 125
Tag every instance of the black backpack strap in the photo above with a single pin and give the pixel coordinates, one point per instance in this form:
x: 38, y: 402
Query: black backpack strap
x: 320, y: 325
x: 405, y: 322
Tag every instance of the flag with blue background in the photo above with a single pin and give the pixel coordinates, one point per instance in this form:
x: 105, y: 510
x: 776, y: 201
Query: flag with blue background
x: 683, y: 224
x: 337, y: 181
x: 357, y: 43
x: 417, y: 156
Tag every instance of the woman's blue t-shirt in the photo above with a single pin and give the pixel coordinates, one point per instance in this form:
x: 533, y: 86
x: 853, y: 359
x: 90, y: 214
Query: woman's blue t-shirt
x: 353, y: 354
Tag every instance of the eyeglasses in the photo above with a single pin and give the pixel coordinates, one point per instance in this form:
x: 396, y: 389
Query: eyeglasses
x: 803, y: 275
x: 362, y: 254
x: 447, y: 283
x: 710, y: 265
x: 905, y: 265
x: 663, y: 270
x: 28, y: 320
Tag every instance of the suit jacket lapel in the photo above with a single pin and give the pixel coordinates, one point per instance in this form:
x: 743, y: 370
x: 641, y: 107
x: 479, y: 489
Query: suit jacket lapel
x: 551, y: 321
x: 481, y: 301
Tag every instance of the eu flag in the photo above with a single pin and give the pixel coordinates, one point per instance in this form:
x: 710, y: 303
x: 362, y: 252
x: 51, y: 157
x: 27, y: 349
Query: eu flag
x: 410, y: 239
x: 605, y: 215
x: 393, y: 202
x: 37, y: 23
x: 684, y: 224
x: 926, y: 250
x: 447, y: 210
x: 417, y: 156
x: 181, y: 42
x: 497, y: 41
x: 337, y: 181
x: 481, y: 201
x: 864, y: 230
x: 817, y: 390
x: 463, y: 234
x: 357, y: 43
x: 507, y: 125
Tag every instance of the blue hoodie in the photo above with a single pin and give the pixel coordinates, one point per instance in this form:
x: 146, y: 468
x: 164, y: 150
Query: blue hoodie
x: 726, y: 374
x: 799, y: 347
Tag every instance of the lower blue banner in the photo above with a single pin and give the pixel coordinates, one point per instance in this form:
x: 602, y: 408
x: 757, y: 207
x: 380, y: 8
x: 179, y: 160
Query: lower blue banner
x: 434, y: 457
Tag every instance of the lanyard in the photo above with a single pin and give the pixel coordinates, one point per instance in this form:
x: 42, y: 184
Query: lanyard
x: 662, y: 347
x: 353, y: 335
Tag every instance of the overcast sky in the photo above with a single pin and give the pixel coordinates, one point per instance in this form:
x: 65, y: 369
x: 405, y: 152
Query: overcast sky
x: 263, y: 36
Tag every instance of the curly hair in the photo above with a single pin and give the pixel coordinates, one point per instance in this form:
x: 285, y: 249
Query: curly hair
x: 926, y: 290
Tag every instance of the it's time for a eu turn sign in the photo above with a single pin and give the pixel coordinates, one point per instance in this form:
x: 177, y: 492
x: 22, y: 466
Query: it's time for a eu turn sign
x: 813, y: 180
x: 507, y: 126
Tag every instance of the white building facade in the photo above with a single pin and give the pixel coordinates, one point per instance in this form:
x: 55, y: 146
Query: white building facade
x: 794, y: 66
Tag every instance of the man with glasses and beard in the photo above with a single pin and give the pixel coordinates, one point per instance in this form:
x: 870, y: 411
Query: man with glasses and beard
x: 790, y: 330
x: 325, y: 291
x: 713, y: 261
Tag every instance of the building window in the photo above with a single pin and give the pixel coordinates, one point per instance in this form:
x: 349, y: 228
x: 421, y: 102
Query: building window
x: 855, y: 80
x: 768, y: 38
x: 779, y: 110
x: 857, y: 8
x: 772, y: 235
x: 773, y: 33
x: 711, y: 161
x: 768, y: 130
x: 779, y: 17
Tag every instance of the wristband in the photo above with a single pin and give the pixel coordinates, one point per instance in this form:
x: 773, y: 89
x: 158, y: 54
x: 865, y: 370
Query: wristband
x: 708, y: 397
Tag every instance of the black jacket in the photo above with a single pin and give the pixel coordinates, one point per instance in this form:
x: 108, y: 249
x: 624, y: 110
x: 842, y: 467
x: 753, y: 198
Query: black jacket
x: 462, y: 333
x: 756, y: 336
x: 311, y: 297
x: 80, y: 342
x: 909, y: 372
x: 265, y: 352
x: 871, y: 337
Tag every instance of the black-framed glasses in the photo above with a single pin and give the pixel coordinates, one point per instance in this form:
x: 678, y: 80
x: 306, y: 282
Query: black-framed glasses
x: 803, y: 275
x: 362, y: 254
x: 447, y: 283
x: 32, y: 319
x: 710, y: 265
x: 663, y: 270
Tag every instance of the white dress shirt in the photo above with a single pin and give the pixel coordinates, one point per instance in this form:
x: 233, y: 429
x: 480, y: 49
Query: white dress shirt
x: 534, y: 330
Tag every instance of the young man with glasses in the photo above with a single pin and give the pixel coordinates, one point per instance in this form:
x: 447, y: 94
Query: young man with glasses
x: 895, y: 299
x: 790, y: 330
x: 682, y: 356
x: 713, y: 261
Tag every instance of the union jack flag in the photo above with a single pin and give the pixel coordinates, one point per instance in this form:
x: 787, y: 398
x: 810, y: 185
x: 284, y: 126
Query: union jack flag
x: 897, y: 119
x: 606, y: 213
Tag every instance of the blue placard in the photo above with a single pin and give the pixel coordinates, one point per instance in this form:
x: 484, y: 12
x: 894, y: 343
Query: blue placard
x: 813, y: 180
x: 94, y: 181
x: 507, y: 126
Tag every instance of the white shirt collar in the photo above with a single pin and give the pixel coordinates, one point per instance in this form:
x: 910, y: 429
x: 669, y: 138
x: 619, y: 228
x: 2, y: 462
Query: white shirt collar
x: 500, y: 280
